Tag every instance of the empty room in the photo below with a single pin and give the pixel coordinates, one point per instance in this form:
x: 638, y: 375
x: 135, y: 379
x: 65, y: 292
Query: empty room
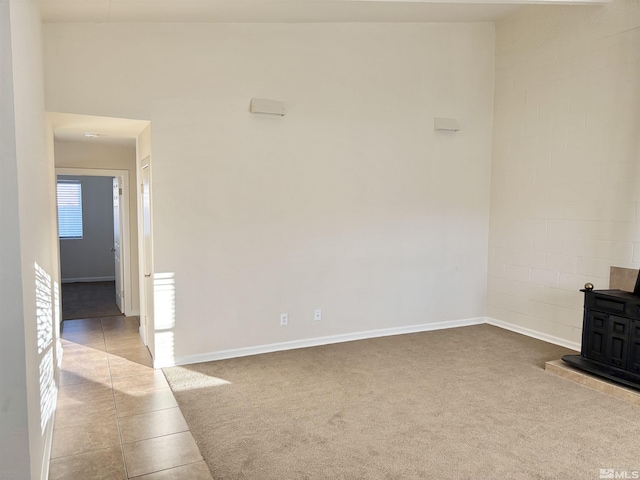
x: 359, y: 239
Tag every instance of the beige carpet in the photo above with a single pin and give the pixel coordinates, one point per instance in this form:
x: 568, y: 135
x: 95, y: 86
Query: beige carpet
x: 470, y: 402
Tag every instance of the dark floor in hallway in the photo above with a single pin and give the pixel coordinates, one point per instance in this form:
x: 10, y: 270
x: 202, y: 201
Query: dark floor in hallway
x: 89, y: 300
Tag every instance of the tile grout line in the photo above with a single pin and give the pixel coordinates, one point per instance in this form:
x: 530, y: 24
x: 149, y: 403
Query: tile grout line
x: 113, y: 396
x: 82, y: 453
x: 115, y: 405
x: 166, y: 469
x: 150, y: 411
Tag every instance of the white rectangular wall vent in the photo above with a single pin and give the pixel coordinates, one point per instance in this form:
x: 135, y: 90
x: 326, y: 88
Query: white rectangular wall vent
x: 447, y: 124
x: 267, y: 107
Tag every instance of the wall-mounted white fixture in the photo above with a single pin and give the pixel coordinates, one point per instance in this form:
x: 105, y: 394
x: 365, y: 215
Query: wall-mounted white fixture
x: 267, y: 107
x: 447, y: 124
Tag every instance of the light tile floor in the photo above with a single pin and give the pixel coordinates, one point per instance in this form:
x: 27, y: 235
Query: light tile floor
x: 116, y: 416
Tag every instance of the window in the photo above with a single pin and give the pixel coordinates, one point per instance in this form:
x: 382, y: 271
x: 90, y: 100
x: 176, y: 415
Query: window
x: 69, y: 209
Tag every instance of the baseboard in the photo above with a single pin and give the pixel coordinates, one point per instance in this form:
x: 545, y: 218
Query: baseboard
x: 48, y: 434
x: 318, y: 341
x: 48, y: 444
x: 350, y: 337
x: 88, y: 279
x: 534, y: 334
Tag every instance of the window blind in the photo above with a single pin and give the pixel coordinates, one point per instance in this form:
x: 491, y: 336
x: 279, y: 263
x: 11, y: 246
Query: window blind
x: 70, y: 209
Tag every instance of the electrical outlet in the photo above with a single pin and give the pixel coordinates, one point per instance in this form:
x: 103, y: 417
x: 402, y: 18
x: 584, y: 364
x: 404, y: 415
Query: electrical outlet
x: 284, y: 319
x: 318, y: 314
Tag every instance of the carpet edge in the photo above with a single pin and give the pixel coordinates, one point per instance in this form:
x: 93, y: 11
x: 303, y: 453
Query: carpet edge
x: 318, y: 341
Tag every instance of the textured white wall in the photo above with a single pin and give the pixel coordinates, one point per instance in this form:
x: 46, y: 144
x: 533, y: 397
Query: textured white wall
x: 29, y: 251
x: 350, y: 203
x: 565, y: 179
x: 91, y: 256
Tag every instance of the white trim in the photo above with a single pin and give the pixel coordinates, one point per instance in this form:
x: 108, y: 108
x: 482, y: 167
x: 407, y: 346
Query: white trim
x: 88, y: 279
x: 91, y: 172
x: 350, y: 337
x: 44, y: 474
x: 314, y: 342
x: 534, y: 334
x: 145, y: 284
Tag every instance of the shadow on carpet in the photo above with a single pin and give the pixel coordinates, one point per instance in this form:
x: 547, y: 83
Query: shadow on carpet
x: 89, y: 300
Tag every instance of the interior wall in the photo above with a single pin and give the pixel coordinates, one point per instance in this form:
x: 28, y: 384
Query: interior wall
x: 14, y: 427
x: 105, y: 156
x: 564, y: 193
x: 350, y: 203
x: 30, y: 276
x: 90, y: 258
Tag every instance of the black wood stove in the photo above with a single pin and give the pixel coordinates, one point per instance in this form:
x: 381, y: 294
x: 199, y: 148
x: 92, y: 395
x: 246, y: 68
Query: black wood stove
x: 610, y: 335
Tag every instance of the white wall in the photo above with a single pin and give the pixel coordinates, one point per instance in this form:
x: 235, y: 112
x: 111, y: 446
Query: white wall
x: 29, y: 251
x: 14, y: 431
x: 350, y: 203
x: 565, y: 189
x: 93, y: 155
x: 90, y: 257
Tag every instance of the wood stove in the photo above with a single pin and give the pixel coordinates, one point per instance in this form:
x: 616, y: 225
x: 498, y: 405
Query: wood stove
x: 610, y: 335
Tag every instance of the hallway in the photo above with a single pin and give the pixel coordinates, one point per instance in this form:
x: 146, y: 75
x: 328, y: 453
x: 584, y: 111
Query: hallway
x: 116, y: 416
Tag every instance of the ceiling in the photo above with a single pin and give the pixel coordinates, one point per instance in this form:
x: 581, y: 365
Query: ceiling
x: 74, y: 128
x: 284, y: 11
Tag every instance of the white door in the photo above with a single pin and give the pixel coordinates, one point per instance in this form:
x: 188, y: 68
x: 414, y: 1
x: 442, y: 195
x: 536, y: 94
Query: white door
x: 117, y: 242
x: 147, y: 259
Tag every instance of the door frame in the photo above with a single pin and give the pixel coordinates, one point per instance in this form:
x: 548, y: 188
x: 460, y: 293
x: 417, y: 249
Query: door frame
x: 147, y: 301
x: 125, y: 254
x: 117, y: 190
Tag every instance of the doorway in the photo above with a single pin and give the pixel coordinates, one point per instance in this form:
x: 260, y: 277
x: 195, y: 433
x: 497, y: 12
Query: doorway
x: 110, y: 146
x: 94, y: 242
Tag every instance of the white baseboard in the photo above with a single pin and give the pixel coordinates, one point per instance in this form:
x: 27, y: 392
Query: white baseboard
x: 315, y: 342
x: 534, y: 334
x: 349, y: 337
x: 88, y: 279
x: 44, y: 473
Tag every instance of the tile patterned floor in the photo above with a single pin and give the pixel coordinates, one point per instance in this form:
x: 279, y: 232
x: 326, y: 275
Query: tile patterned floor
x: 116, y: 416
